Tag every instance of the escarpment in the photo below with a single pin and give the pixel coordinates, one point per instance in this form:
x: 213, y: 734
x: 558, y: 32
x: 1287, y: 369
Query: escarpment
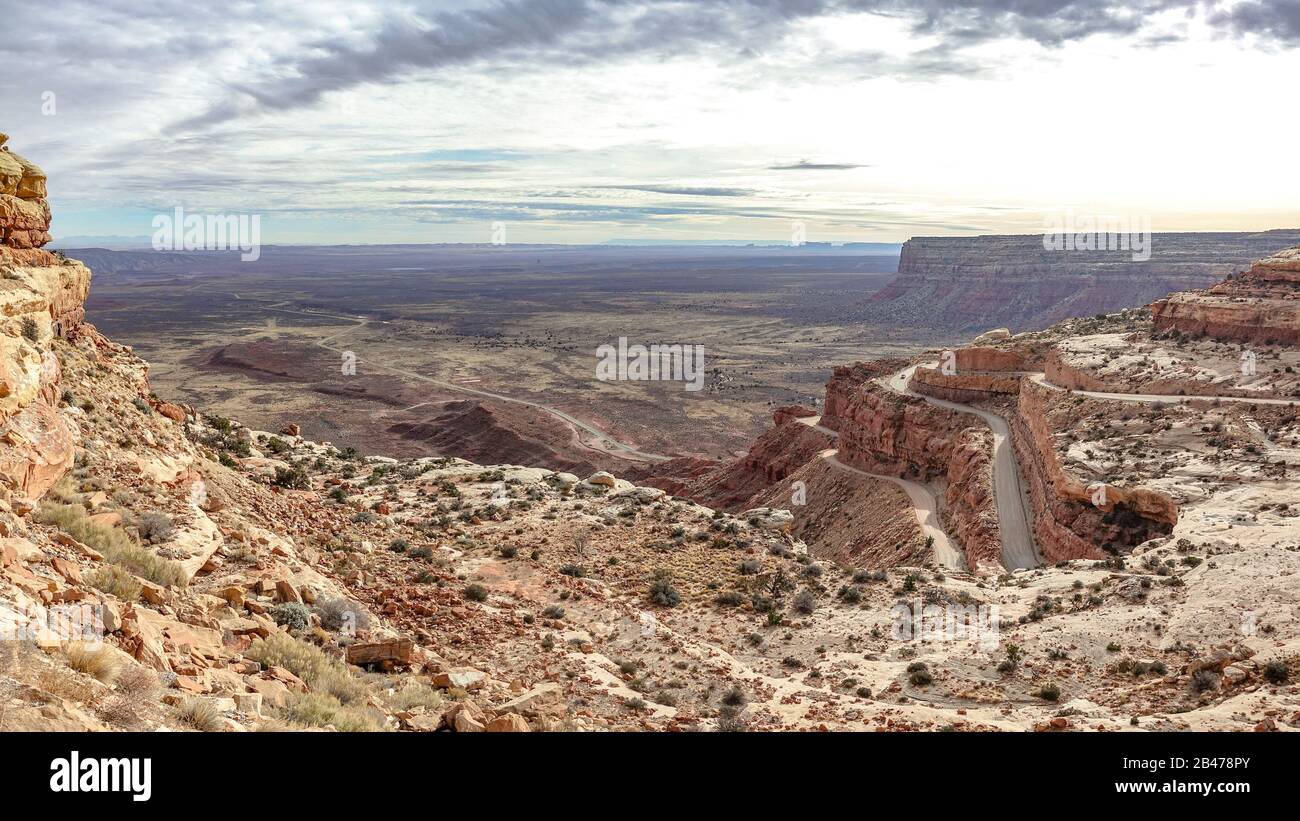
x: 42, y: 298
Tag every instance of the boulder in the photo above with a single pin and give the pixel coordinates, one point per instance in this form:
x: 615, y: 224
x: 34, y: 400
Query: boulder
x: 465, y: 717
x: 395, y: 651
x: 172, y: 411
x: 644, y: 495
x: 464, y: 678
x: 508, y: 723
x: 546, y: 697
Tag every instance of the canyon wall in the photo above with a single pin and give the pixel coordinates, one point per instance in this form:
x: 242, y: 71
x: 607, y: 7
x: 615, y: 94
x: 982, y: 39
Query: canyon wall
x: 1067, y: 523
x: 41, y: 298
x: 881, y: 431
x: 1259, y: 306
x: 960, y: 284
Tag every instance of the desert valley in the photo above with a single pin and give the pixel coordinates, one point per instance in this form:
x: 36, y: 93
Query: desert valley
x: 1028, y: 521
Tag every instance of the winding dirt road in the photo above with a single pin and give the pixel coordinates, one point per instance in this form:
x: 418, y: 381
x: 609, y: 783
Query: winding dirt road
x: 1018, y: 550
x: 1040, y: 378
x: 925, y: 502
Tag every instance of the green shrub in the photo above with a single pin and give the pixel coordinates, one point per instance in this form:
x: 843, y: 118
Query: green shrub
x: 322, y: 709
x: 1277, y: 672
x: 154, y: 527
x: 805, y: 602
x: 294, y: 615
x: 476, y: 592
x: 322, y: 672
x: 294, y: 478
x: 341, y: 614
x: 663, y: 593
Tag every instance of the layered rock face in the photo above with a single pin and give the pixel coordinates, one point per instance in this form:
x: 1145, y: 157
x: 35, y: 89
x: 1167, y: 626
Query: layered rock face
x: 1260, y: 305
x: 24, y: 213
x: 41, y: 300
x: 972, y: 283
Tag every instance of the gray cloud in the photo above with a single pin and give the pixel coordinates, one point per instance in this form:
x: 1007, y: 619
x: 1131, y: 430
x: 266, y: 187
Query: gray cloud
x: 805, y: 165
x: 582, y: 31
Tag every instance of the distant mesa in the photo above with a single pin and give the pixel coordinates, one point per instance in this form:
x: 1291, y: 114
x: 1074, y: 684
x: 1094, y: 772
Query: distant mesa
x: 967, y: 284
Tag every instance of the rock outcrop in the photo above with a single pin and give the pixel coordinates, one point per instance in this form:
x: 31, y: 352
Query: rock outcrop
x: 41, y: 299
x: 24, y: 213
x: 1260, y: 306
x: 961, y: 284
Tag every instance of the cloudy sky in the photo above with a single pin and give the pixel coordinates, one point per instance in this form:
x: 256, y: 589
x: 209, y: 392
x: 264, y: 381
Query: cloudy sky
x: 589, y: 120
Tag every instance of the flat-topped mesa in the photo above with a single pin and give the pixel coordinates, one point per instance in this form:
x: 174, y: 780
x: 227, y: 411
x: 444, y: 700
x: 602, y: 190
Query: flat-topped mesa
x: 960, y: 284
x: 42, y: 299
x: 1260, y: 305
x: 24, y: 213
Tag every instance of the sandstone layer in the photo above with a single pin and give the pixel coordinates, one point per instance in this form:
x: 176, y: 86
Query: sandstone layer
x: 24, y: 212
x: 1260, y: 306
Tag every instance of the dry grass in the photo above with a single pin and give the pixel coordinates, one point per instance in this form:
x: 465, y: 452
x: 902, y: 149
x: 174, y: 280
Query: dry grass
x: 412, y: 693
x: 322, y: 710
x: 136, y: 689
x: 115, y: 581
x: 199, y: 714
x: 323, y: 673
x: 62, y: 682
x: 95, y: 660
x: 114, y: 543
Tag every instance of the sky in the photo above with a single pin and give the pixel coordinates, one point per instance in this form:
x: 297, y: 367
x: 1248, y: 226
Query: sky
x: 580, y: 121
